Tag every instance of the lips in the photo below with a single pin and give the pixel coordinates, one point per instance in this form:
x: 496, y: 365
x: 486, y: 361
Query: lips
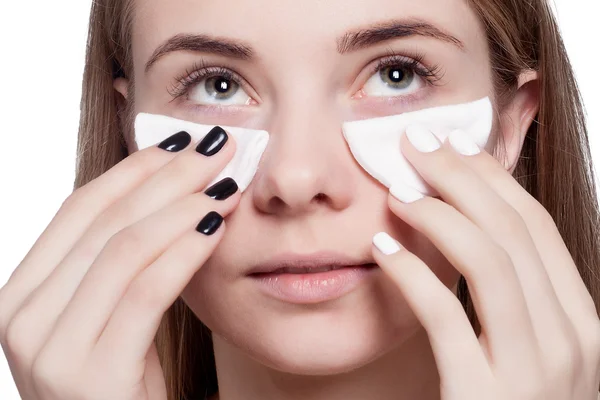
x: 306, y: 270
x: 308, y: 264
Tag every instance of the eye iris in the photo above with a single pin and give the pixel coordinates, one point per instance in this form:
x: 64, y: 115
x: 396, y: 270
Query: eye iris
x: 220, y: 87
x: 398, y: 78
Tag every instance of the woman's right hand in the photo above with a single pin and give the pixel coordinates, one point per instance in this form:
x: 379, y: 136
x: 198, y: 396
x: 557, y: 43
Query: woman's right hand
x: 79, y: 315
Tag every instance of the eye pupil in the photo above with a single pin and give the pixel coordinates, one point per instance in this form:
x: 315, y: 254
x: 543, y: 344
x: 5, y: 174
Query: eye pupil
x: 396, y: 75
x: 222, y: 85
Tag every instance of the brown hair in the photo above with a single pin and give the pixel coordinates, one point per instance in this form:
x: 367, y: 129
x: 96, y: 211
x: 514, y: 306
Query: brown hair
x: 555, y: 165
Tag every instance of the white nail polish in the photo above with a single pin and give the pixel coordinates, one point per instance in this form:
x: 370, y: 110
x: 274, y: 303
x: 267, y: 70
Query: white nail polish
x: 463, y: 144
x: 405, y: 193
x: 422, y: 139
x: 386, y: 244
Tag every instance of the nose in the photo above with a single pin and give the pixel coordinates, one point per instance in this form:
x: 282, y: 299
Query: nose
x: 306, y: 166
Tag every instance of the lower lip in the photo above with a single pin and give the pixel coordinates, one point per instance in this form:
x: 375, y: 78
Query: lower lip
x: 313, y: 287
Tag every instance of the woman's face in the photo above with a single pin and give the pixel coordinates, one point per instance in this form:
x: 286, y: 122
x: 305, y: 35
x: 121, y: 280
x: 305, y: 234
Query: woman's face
x: 298, y: 69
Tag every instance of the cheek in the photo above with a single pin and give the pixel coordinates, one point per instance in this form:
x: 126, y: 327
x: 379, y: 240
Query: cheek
x: 213, y: 301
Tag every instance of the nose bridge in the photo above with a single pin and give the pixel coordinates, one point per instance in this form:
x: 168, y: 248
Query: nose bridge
x: 300, y: 167
x: 306, y: 124
x: 302, y: 138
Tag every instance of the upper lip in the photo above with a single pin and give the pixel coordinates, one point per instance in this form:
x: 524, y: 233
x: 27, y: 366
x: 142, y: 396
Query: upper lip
x: 308, y: 262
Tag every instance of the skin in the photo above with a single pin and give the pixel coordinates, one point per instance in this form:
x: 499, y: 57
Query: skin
x: 298, y: 73
x: 401, y: 335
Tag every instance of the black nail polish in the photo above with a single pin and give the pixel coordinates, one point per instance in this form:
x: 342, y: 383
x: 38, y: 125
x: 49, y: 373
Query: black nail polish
x: 212, y: 142
x: 222, y: 189
x: 210, y: 224
x: 176, y: 142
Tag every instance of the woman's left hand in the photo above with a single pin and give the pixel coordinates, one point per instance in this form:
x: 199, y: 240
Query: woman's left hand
x: 540, y: 332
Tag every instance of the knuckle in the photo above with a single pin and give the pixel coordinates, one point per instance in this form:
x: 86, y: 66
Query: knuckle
x: 141, y: 294
x: 510, y: 224
x: 498, y: 264
x: 88, y: 250
x: 564, y: 360
x: 591, y: 339
x: 538, y: 214
x: 530, y: 389
x: 182, y: 165
x: 126, y: 242
x: 193, y: 204
x: 439, y: 307
x: 74, y: 198
x: 443, y: 311
x: 15, y: 336
x: 49, y: 378
x: 4, y: 315
x: 451, y: 164
x: 140, y: 164
x: 119, y: 214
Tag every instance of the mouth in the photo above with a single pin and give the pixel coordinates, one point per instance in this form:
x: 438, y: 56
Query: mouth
x: 311, y: 279
x: 307, y: 264
x: 309, y: 270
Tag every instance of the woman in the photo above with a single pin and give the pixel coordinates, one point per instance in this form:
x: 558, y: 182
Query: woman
x: 490, y: 292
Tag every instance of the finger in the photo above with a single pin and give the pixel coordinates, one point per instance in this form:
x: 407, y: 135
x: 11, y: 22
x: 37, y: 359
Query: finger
x: 73, y: 218
x: 184, y: 174
x: 461, y: 187
x: 135, y: 321
x: 154, y: 378
x: 497, y: 295
x: 125, y: 256
x: 458, y: 355
x: 556, y: 258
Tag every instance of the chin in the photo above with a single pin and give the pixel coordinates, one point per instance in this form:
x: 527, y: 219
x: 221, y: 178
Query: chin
x: 307, y: 348
x: 318, y: 339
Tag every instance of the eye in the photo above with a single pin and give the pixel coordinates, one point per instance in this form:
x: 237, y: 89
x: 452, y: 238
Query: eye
x: 211, y: 86
x: 218, y: 90
x: 400, y: 75
x: 393, y: 81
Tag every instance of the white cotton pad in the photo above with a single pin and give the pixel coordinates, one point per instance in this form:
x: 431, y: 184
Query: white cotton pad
x: 151, y: 129
x: 375, y: 143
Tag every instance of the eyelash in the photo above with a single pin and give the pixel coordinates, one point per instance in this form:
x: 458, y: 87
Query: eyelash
x: 415, y: 63
x: 200, y: 71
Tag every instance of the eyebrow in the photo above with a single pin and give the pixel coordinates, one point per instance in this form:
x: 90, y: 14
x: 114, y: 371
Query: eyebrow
x: 375, y: 34
x: 349, y: 42
x: 202, y: 43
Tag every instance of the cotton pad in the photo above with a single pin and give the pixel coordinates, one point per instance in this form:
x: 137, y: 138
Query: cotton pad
x: 375, y: 143
x: 151, y: 129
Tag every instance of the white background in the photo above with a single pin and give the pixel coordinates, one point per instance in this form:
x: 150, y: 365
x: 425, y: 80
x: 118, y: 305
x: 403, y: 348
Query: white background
x: 42, y: 48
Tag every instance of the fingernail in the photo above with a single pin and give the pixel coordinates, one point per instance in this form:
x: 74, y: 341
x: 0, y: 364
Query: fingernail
x: 463, y: 143
x: 405, y: 193
x: 210, y: 224
x: 212, y: 142
x: 386, y: 244
x: 176, y: 142
x: 222, y: 189
x: 422, y: 139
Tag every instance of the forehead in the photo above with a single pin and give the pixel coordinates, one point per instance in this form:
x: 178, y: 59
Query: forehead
x: 285, y: 26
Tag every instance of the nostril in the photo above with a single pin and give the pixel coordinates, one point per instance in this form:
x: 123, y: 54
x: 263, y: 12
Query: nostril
x: 276, y: 203
x: 319, y: 198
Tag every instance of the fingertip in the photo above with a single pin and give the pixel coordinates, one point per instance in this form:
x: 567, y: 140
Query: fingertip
x: 210, y: 224
x: 404, y: 193
x: 385, y: 244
